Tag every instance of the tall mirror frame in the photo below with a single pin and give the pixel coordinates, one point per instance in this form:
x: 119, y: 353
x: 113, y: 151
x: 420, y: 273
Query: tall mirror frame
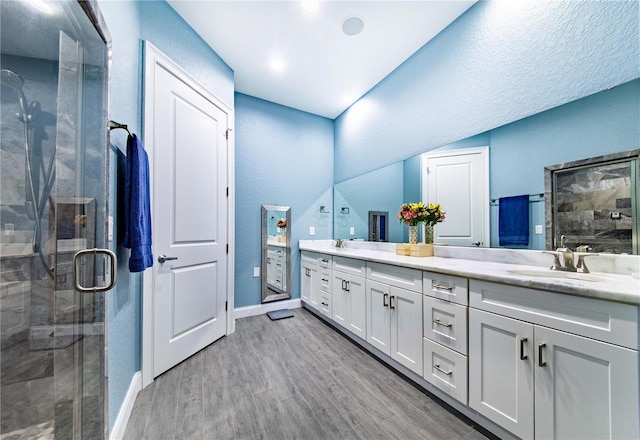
x: 276, y: 252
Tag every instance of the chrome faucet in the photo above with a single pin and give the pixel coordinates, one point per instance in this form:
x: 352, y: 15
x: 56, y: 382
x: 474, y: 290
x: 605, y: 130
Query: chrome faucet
x: 567, y: 258
x: 339, y: 243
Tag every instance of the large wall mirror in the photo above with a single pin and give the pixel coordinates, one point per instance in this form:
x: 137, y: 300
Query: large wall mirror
x: 276, y: 252
x: 594, y: 140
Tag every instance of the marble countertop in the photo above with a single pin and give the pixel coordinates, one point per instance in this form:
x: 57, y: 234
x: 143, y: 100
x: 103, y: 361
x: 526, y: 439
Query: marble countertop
x: 528, y: 269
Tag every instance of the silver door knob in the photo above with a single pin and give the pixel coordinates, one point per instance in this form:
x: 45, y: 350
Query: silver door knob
x: 162, y: 258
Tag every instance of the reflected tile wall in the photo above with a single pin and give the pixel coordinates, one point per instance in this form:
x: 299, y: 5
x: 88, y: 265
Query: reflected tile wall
x: 594, y: 203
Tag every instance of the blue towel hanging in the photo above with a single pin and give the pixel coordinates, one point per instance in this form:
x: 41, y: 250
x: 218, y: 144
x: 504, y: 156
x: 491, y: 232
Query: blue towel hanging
x: 513, y: 221
x: 137, y: 206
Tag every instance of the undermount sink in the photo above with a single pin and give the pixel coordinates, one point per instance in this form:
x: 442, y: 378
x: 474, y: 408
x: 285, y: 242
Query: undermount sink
x: 548, y: 273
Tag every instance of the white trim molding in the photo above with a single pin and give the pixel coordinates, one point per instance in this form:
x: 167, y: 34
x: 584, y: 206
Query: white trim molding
x: 124, y: 414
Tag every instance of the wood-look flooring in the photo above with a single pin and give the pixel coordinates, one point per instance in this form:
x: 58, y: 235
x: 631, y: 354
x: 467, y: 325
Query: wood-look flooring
x: 294, y: 378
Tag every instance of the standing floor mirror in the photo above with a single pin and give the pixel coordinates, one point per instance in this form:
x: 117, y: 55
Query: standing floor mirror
x: 276, y: 253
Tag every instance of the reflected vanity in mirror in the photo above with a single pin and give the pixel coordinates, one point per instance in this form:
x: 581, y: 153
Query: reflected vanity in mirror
x: 276, y: 252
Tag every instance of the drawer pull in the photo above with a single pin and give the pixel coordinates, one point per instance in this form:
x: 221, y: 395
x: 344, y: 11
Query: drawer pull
x: 523, y: 357
x: 541, y: 363
x: 307, y: 272
x: 325, y: 280
x: 438, y: 322
x: 384, y: 300
x: 437, y: 367
x: 325, y: 304
x: 391, y: 302
x: 441, y: 287
x: 347, y: 284
x: 324, y: 261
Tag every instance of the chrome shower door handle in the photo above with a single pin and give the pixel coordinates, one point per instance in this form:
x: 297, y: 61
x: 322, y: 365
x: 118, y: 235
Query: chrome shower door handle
x: 76, y: 273
x: 162, y: 258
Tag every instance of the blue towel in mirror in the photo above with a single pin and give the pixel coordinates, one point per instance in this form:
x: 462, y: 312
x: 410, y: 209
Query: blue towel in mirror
x: 513, y: 221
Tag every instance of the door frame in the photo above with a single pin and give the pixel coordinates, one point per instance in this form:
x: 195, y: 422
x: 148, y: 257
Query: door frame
x: 152, y: 57
x: 484, y: 155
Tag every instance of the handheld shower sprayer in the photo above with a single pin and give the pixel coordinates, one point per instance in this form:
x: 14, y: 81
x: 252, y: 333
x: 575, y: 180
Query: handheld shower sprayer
x: 11, y: 79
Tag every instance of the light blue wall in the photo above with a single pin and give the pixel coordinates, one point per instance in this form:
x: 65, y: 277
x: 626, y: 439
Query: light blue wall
x: 499, y: 62
x: 379, y: 190
x: 129, y: 23
x: 297, y: 147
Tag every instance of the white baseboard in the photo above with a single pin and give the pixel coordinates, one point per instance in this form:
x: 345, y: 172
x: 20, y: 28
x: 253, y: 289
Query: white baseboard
x: 261, y: 309
x: 120, y: 424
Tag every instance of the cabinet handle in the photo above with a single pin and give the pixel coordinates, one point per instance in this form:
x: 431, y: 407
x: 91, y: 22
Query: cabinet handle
x: 441, y: 287
x: 523, y: 357
x: 391, y: 302
x: 384, y: 300
x: 325, y: 280
x: 437, y: 367
x: 342, y: 284
x: 325, y: 304
x: 307, y: 272
x: 347, y: 283
x: 324, y: 261
x: 438, y: 322
x: 541, y: 363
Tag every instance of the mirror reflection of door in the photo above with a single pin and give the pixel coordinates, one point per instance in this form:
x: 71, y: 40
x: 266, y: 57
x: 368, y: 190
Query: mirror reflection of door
x: 378, y: 226
x: 276, y: 252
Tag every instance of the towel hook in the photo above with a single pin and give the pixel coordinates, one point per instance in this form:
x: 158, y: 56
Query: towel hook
x: 113, y: 125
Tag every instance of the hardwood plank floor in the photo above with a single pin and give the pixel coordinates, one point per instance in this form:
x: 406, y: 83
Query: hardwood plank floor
x: 293, y: 378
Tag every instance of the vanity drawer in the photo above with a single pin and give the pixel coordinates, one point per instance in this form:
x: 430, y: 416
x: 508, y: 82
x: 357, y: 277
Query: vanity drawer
x: 402, y: 277
x: 607, y: 321
x: 445, y: 369
x: 315, y: 258
x: 447, y: 287
x: 324, y: 306
x: 446, y: 323
x: 325, y: 280
x: 349, y: 265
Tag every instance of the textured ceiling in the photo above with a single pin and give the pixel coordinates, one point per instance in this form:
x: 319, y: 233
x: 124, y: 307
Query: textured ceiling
x: 323, y: 70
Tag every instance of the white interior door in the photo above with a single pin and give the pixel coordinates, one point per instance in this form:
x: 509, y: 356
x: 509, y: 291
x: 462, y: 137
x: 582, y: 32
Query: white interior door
x: 459, y: 181
x: 190, y: 205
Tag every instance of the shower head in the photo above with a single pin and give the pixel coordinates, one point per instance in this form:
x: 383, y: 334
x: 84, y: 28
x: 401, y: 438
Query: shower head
x: 11, y: 79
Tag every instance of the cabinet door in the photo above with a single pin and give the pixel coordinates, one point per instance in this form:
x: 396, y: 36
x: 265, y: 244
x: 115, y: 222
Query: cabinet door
x: 357, y: 306
x: 340, y: 309
x: 501, y: 371
x: 309, y: 275
x: 378, y: 316
x: 585, y: 389
x: 406, y: 328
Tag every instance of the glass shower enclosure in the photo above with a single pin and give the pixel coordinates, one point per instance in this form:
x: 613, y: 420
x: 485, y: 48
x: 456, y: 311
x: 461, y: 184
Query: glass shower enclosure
x: 53, y: 195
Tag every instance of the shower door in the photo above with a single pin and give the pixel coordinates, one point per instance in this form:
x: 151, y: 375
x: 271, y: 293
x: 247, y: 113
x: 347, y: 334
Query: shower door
x: 53, y: 145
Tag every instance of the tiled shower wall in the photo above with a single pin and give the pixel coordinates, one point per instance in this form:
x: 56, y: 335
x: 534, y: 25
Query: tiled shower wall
x: 594, y: 207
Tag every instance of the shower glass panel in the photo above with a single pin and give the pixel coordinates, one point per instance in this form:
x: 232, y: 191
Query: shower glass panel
x: 53, y: 165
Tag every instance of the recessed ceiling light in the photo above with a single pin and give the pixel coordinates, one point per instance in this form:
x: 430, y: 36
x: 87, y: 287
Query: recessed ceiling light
x: 277, y: 64
x: 352, y: 26
x: 310, y: 5
x: 41, y: 6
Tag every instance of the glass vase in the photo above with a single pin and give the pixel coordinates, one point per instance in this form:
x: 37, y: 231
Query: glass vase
x: 413, y: 234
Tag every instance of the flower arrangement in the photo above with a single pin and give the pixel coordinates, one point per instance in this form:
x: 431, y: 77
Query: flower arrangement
x: 413, y: 214
x: 282, y: 223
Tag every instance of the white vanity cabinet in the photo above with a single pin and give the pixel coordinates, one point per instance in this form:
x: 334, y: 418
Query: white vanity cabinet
x: 546, y: 365
x: 315, y: 281
x: 348, y: 294
x: 445, y: 333
x: 276, y: 268
x: 394, y: 313
x: 394, y: 323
